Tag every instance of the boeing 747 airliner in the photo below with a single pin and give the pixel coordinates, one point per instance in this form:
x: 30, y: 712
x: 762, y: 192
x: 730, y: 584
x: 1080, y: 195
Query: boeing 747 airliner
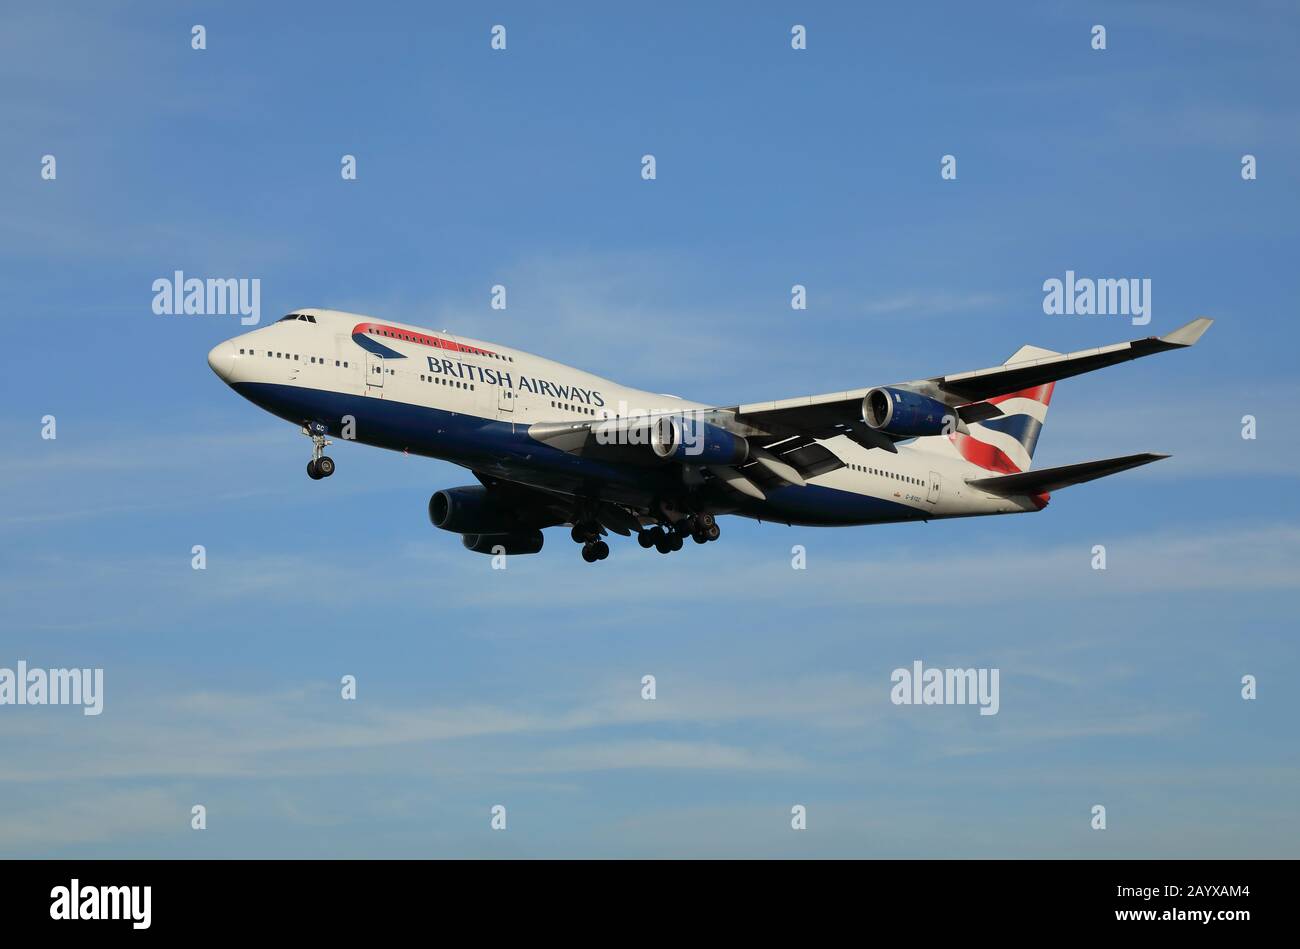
x: 552, y: 445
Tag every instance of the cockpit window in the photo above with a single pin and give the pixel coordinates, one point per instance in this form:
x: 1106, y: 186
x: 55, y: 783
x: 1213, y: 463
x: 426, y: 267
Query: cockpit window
x: 298, y: 316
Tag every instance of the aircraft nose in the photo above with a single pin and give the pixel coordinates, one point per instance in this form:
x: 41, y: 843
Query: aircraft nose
x: 222, y: 360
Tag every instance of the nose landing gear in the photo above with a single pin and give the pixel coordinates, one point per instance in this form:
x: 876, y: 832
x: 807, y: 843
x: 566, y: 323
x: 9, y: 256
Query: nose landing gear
x: 321, y: 464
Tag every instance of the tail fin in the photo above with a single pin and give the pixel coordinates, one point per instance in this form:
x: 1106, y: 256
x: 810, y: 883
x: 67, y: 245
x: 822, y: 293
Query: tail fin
x: 1006, y: 442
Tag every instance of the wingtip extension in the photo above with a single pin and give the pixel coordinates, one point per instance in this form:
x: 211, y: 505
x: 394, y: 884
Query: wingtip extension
x: 1188, y: 333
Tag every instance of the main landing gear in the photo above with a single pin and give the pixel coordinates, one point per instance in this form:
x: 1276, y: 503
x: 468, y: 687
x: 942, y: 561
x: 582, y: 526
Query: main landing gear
x: 701, y: 528
x: 321, y: 464
x: 665, y: 538
x: 593, y: 548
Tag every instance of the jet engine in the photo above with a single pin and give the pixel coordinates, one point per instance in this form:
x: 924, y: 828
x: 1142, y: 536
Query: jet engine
x: 471, y: 510
x: 519, y: 542
x: 906, y: 414
x: 691, y: 440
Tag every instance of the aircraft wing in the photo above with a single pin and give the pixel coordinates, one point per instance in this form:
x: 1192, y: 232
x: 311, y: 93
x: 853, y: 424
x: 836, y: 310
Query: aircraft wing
x: 772, y: 458
x: 964, y: 391
x: 785, y: 437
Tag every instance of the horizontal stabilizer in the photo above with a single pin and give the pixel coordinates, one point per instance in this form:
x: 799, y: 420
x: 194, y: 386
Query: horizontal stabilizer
x: 1052, y: 479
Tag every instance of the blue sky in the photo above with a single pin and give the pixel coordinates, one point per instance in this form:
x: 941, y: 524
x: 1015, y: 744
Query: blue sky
x: 522, y: 687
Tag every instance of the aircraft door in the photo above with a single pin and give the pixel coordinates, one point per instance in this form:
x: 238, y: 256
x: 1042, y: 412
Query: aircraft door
x: 933, y: 496
x: 374, y: 373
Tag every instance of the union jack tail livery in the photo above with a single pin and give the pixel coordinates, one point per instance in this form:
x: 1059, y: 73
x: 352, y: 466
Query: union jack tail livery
x: 1006, y: 444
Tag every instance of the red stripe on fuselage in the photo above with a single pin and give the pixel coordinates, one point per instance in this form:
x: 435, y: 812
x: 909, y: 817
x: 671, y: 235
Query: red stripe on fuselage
x: 424, y: 339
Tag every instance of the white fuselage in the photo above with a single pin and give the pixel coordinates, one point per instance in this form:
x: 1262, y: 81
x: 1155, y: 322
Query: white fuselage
x: 472, y: 402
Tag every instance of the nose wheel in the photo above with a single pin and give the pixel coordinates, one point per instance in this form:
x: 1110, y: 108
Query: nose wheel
x: 321, y: 464
x: 321, y: 467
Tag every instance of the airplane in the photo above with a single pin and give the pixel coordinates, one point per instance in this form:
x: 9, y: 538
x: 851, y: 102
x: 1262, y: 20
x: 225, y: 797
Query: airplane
x: 551, y: 445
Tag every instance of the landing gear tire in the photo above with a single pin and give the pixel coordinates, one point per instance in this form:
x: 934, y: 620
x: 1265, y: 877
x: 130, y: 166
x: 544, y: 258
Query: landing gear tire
x: 714, y: 532
x: 601, y: 548
x: 675, y: 541
x: 589, y: 553
x: 321, y: 465
x: 646, y: 539
x: 700, y: 537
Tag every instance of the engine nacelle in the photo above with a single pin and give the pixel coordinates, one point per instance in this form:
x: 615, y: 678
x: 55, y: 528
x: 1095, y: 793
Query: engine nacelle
x: 470, y: 510
x: 907, y: 414
x: 521, y: 542
x: 694, y: 441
